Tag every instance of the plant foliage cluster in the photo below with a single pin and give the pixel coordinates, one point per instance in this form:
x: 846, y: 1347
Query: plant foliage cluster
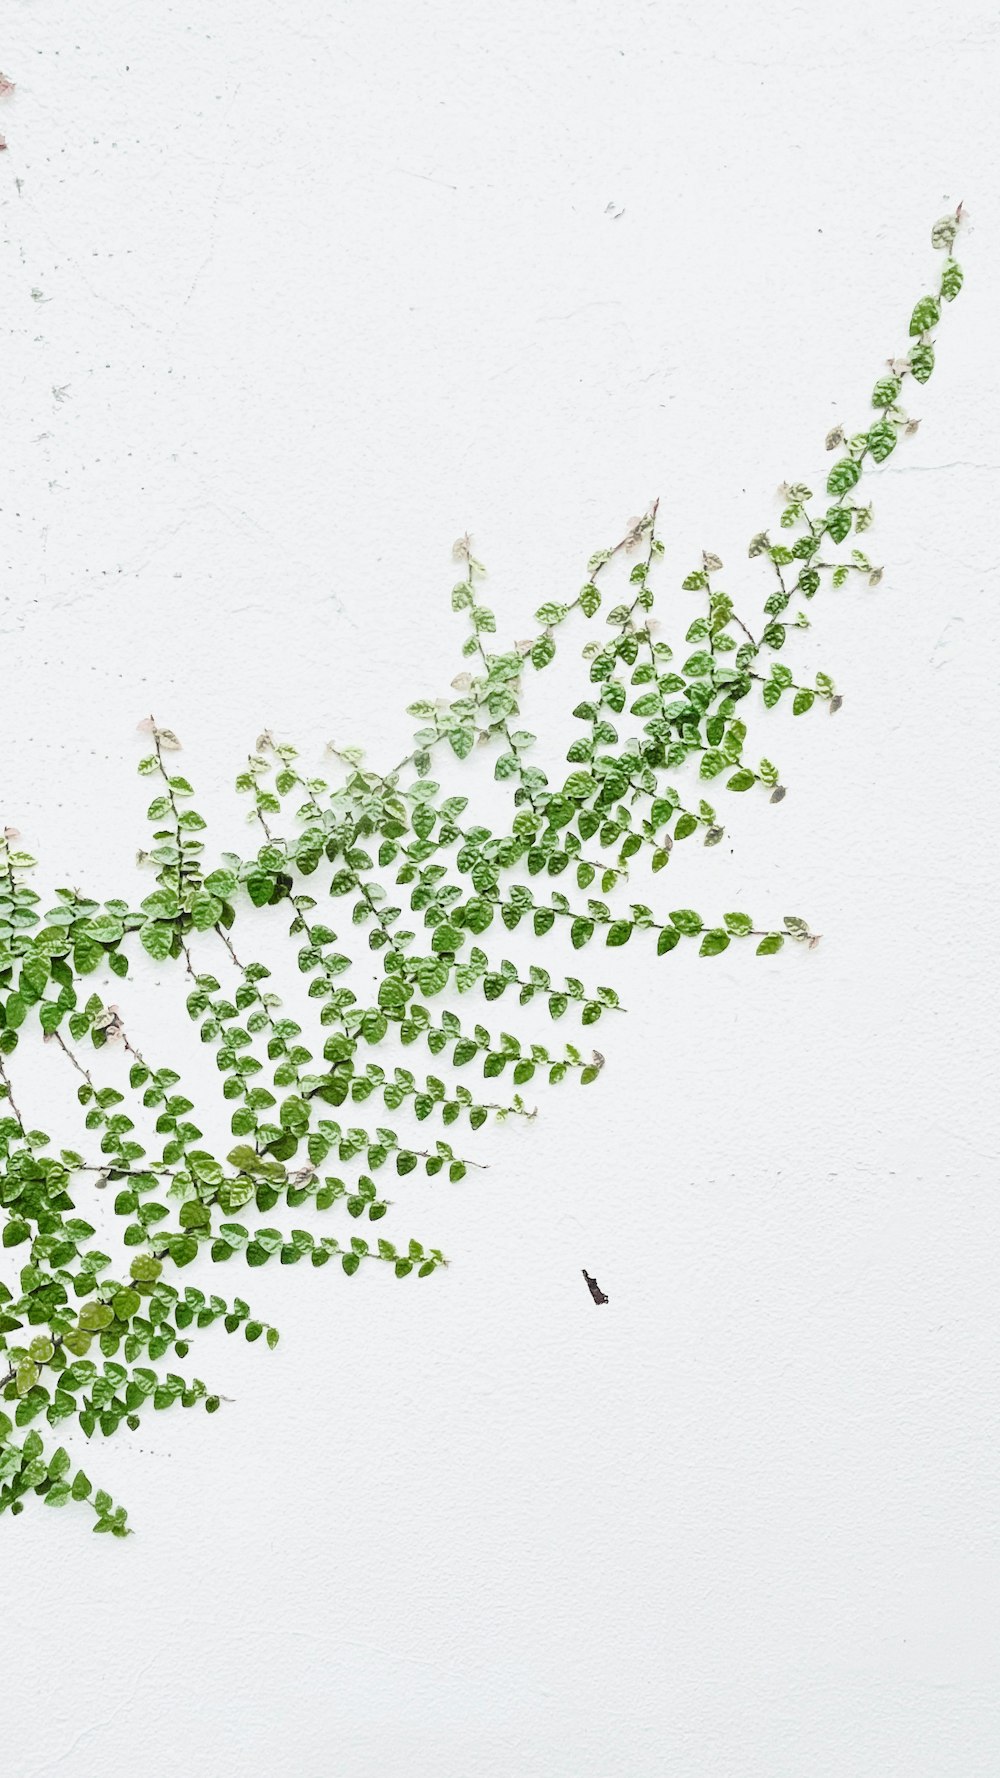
x: 99, y: 1340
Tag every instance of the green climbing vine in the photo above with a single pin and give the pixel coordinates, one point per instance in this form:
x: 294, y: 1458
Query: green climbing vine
x: 397, y: 861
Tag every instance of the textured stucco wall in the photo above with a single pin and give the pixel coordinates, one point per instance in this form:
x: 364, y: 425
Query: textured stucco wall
x: 321, y: 286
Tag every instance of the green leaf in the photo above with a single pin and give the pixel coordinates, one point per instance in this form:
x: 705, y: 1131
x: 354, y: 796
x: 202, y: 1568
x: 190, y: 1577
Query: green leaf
x: 157, y: 939
x: 95, y: 1316
x: 713, y: 942
x: 882, y: 440
x: 432, y: 975
x: 843, y: 476
x: 922, y: 361
x: 25, y: 1377
x: 35, y: 976
x: 944, y: 231
x: 926, y: 314
x: 17, y: 1011
x: 796, y: 927
x: 222, y: 883
x: 771, y: 942
x: 244, y: 1158
x: 259, y: 887
x: 885, y: 391
x: 662, y: 810
x: 686, y: 921
x: 551, y: 613
x: 951, y: 281
x: 145, y: 1268
x: 206, y: 910
x: 162, y: 904
x: 59, y: 1463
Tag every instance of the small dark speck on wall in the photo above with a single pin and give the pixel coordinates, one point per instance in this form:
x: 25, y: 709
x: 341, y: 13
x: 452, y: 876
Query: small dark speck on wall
x: 595, y: 1290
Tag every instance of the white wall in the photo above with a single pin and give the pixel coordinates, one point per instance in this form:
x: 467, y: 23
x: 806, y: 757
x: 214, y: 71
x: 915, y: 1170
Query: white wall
x: 324, y: 285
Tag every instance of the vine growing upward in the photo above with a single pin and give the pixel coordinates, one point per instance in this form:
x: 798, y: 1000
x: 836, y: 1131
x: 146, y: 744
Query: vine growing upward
x: 398, y: 861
